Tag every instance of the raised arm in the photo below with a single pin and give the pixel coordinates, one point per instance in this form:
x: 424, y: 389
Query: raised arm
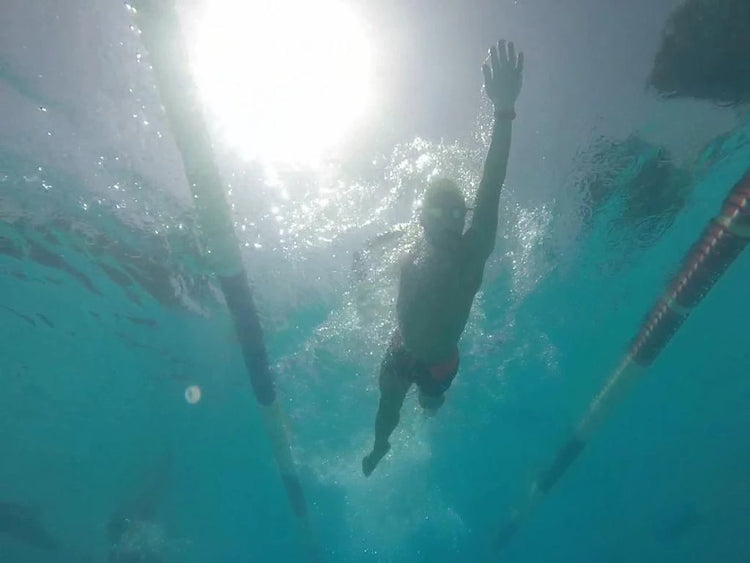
x: 502, y: 83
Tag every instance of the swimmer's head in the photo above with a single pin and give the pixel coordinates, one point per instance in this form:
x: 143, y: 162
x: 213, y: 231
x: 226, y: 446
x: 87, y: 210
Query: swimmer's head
x: 443, y: 211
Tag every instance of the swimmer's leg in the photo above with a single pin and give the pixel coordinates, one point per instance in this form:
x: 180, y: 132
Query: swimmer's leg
x: 393, y: 389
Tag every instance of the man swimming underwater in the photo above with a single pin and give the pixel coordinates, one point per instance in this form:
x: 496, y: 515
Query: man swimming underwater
x: 439, y: 280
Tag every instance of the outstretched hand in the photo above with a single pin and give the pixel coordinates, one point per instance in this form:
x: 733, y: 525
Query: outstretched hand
x: 503, y: 75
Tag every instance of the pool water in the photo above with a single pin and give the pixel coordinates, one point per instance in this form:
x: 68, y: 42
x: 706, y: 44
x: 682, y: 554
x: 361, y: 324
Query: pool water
x: 111, y: 321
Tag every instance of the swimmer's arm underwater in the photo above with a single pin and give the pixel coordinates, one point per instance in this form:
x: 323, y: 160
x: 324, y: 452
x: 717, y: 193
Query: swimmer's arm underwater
x: 502, y: 83
x: 374, y: 267
x: 360, y: 266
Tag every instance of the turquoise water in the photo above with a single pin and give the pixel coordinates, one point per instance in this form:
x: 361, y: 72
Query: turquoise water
x: 109, y: 312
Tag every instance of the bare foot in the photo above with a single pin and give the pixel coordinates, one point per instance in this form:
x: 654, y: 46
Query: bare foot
x: 370, y: 461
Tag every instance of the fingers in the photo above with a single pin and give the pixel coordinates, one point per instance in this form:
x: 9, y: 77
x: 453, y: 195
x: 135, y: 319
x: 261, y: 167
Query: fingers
x: 495, y: 58
x: 503, y: 50
x: 504, y: 53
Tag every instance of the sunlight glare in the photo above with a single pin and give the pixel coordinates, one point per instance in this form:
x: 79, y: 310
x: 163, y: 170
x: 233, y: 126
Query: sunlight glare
x: 283, y: 80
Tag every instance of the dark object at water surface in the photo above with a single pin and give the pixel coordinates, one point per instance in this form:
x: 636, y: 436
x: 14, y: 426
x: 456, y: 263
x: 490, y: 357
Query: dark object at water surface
x: 705, y: 52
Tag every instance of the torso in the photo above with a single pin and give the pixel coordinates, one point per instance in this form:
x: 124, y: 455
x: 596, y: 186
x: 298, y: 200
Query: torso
x: 436, y: 291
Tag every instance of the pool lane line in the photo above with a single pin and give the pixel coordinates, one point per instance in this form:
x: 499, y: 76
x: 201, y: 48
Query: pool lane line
x: 158, y: 23
x: 722, y: 241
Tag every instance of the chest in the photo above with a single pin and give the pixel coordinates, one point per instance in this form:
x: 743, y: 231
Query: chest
x: 439, y: 277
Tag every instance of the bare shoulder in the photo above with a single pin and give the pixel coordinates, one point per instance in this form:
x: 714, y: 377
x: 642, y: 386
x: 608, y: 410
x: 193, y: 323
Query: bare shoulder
x: 473, y: 247
x: 473, y: 256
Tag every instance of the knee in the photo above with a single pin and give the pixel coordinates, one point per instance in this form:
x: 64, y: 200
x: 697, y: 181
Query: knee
x: 431, y: 403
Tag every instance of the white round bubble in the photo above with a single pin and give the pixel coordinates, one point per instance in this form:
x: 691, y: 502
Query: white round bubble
x: 193, y: 394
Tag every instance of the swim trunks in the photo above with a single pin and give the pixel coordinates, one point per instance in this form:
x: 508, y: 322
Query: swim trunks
x: 432, y: 379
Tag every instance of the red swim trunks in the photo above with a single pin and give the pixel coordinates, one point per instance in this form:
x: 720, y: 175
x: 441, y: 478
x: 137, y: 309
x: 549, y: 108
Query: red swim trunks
x: 432, y: 379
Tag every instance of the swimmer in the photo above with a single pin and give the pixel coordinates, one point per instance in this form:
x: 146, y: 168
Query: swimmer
x: 439, y: 280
